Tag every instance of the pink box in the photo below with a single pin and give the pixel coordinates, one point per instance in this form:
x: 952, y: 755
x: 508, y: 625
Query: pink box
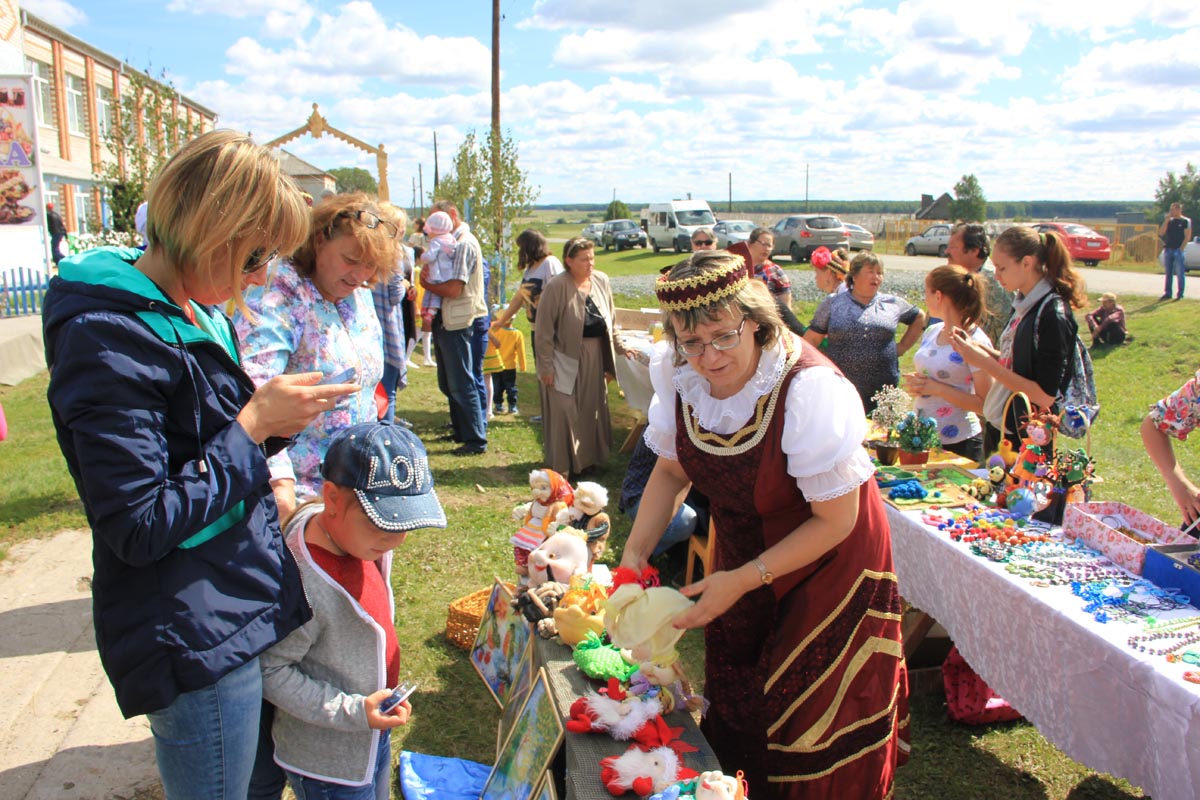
x: 1097, y: 523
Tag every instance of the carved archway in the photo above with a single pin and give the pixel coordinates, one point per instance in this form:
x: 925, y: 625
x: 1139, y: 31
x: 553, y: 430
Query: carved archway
x: 318, y: 126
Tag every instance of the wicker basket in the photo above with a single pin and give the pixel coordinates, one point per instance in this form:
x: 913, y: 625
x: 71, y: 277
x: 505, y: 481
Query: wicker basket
x: 462, y: 624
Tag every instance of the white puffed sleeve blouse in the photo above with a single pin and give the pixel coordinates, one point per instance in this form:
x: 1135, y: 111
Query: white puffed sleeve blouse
x: 823, y: 426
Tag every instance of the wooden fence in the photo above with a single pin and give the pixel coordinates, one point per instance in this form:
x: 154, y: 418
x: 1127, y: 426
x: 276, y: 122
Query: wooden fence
x: 21, y: 291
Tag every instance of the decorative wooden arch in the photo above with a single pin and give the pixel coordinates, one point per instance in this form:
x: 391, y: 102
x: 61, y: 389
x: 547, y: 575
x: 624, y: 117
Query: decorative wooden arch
x: 318, y: 126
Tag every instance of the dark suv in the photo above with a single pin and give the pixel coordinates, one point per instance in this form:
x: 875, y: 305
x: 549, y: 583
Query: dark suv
x: 799, y: 234
x: 621, y: 234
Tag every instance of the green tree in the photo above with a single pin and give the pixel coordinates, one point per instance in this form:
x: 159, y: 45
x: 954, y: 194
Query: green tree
x: 492, y: 199
x: 969, y: 203
x: 354, y: 179
x: 139, y: 151
x: 616, y: 210
x: 1184, y: 188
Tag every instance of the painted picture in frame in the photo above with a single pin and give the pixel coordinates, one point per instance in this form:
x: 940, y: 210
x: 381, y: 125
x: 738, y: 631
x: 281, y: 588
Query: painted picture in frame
x: 501, y: 644
x: 512, y: 702
x: 526, y: 755
x: 547, y: 790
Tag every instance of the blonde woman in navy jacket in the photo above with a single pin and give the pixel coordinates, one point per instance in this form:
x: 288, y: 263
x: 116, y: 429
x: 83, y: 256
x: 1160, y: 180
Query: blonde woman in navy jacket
x: 167, y: 439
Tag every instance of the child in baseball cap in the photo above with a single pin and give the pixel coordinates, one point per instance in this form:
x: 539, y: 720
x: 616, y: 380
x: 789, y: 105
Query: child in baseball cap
x: 328, y: 678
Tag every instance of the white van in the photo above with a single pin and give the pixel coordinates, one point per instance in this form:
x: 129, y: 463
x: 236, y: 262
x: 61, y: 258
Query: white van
x: 671, y: 224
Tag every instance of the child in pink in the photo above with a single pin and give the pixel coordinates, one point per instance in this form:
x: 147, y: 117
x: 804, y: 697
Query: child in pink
x: 439, y: 255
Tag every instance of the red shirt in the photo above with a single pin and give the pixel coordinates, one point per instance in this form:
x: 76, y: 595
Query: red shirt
x: 364, y: 582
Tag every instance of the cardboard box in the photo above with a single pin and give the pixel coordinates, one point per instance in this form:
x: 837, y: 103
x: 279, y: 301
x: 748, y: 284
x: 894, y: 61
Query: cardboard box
x: 1096, y: 524
x: 1167, y: 567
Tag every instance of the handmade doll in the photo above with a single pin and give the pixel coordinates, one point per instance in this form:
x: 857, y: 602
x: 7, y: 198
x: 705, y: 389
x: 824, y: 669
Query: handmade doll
x: 551, y: 495
x: 550, y: 567
x: 675, y: 690
x: 613, y: 711
x: 587, y: 514
x: 1037, y: 448
x: 647, y: 768
x: 639, y: 614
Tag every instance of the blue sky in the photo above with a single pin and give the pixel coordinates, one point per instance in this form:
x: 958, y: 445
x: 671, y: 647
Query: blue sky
x: 652, y: 99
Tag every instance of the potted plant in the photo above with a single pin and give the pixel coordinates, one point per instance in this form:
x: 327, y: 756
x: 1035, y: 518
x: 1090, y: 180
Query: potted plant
x: 916, y: 436
x: 891, y: 405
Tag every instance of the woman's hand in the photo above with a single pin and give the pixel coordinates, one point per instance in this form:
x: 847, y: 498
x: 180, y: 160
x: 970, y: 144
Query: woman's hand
x: 717, y: 593
x: 393, y: 719
x: 547, y: 379
x: 917, y: 384
x: 971, y: 351
x: 287, y: 404
x: 284, y: 490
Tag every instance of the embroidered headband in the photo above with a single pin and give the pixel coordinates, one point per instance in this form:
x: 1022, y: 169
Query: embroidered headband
x: 696, y: 291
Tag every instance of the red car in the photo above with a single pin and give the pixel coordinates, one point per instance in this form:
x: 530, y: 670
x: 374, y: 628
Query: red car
x: 1083, y: 243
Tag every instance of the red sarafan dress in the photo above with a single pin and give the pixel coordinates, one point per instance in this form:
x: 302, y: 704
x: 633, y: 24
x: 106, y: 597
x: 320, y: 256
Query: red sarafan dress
x: 806, y: 677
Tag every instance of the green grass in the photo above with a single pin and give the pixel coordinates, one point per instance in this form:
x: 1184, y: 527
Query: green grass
x: 454, y: 713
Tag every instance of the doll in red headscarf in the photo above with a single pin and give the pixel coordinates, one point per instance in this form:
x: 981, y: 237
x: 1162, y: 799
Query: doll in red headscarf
x: 551, y: 494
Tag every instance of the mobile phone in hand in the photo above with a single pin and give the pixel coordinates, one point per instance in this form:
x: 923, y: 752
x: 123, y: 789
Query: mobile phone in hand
x: 345, y: 376
x: 398, y: 696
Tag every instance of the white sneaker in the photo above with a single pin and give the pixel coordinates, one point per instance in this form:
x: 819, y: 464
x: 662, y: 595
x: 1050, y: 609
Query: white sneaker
x: 429, y: 362
x: 413, y: 365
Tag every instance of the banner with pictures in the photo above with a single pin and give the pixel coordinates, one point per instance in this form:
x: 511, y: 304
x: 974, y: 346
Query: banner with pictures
x: 20, y: 178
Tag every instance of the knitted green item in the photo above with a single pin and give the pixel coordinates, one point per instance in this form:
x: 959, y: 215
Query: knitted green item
x: 601, y: 661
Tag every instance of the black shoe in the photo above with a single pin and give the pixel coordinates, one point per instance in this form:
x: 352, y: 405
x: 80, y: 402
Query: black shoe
x: 536, y: 419
x: 1166, y: 296
x: 469, y: 450
x: 446, y: 437
x: 1178, y: 297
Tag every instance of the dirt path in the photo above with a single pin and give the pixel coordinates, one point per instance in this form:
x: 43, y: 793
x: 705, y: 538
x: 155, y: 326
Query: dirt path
x: 61, y: 734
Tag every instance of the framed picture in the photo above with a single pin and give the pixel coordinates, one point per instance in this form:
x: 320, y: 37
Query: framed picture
x: 501, y: 644
x: 526, y: 755
x: 512, y: 702
x: 546, y: 791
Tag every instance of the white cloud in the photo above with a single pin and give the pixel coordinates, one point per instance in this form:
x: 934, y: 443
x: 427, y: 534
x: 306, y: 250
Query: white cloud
x: 1162, y: 65
x: 56, y: 12
x: 281, y: 18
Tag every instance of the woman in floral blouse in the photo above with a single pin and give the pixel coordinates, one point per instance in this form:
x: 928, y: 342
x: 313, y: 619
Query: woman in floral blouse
x: 315, y: 314
x: 1175, y: 416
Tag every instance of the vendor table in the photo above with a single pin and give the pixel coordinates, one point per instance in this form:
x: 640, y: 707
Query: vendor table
x: 583, y: 751
x: 1115, y: 710
x: 633, y: 371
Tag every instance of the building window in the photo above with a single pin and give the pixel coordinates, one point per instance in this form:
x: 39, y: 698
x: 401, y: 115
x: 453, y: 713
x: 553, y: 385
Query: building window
x: 84, y: 218
x: 43, y: 91
x: 76, y: 105
x: 104, y: 99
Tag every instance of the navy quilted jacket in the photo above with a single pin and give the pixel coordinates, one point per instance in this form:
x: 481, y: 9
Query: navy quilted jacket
x: 192, y: 578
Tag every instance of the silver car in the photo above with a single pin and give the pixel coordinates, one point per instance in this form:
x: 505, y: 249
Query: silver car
x: 932, y: 242
x: 860, y: 237
x: 799, y: 234
x: 729, y: 231
x: 593, y: 232
x: 1191, y: 254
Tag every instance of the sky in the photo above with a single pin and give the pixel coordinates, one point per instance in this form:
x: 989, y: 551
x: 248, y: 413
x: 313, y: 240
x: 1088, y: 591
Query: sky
x: 649, y: 100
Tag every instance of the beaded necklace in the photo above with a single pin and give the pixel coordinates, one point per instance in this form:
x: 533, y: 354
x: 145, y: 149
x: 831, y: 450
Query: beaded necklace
x: 1176, y: 640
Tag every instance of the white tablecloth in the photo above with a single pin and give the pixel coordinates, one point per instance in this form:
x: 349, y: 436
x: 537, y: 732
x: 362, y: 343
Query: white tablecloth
x: 1117, y: 711
x: 633, y: 375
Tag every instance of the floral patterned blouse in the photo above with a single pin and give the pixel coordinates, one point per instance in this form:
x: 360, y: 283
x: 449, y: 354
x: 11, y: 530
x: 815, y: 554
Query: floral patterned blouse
x: 298, y: 330
x: 1178, y: 414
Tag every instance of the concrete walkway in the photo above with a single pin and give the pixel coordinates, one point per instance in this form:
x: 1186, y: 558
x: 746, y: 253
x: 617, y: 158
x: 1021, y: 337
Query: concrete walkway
x: 61, y: 734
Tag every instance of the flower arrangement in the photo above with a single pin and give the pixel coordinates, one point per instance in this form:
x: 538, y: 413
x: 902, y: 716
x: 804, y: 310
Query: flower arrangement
x: 916, y: 434
x: 891, y: 405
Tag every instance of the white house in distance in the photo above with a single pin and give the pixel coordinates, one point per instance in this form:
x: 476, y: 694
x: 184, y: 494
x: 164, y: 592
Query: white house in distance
x: 309, y: 178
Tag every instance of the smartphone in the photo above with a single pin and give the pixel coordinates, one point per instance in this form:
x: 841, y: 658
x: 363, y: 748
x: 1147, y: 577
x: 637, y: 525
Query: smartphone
x: 398, y: 696
x: 345, y: 376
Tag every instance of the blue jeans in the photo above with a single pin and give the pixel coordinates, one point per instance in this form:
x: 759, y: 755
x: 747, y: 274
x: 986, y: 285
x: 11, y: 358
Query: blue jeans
x: 1173, y: 261
x: 679, y: 529
x: 479, y: 345
x: 378, y: 789
x: 205, y: 740
x: 456, y: 380
x: 390, y: 380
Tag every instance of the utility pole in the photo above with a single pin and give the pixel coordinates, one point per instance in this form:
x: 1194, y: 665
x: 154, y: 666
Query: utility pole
x: 730, y: 209
x: 497, y: 182
x: 806, y: 188
x: 421, y: 188
x: 435, y: 164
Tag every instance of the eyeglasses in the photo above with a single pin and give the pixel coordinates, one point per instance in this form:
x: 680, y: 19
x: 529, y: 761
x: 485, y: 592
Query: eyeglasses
x: 371, y: 220
x: 704, y: 242
x: 726, y: 341
x: 256, y: 261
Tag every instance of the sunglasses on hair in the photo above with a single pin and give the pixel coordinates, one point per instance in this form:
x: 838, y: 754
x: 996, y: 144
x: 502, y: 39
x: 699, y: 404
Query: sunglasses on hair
x: 371, y: 221
x: 577, y: 244
x: 256, y: 261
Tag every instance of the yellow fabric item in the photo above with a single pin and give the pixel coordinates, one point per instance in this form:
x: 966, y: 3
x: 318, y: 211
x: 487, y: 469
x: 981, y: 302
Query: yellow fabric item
x: 639, y: 620
x: 511, y: 344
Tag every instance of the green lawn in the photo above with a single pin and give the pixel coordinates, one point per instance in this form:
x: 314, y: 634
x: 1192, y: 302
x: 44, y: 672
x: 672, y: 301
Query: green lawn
x: 454, y: 713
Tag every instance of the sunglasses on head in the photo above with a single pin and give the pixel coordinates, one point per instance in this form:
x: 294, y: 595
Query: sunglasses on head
x: 702, y: 241
x: 370, y: 220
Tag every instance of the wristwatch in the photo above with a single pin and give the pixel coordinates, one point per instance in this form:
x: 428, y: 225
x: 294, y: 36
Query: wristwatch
x: 763, y: 572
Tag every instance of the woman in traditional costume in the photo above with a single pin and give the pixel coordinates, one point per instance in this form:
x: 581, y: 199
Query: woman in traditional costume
x: 804, y: 666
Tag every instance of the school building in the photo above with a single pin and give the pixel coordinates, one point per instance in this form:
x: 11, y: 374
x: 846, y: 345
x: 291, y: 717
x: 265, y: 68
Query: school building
x: 75, y: 91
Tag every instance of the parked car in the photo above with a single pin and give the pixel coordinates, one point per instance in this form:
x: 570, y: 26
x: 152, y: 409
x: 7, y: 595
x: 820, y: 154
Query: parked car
x: 860, y: 237
x: 932, y: 242
x: 799, y: 234
x: 622, y: 234
x: 729, y: 231
x: 1191, y: 254
x: 1083, y: 243
x: 593, y: 231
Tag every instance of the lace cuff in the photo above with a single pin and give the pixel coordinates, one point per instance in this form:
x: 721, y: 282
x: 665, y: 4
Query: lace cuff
x: 842, y: 479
